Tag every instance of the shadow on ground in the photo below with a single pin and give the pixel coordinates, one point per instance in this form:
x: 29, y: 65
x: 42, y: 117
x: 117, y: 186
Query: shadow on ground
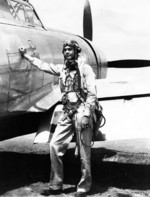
x: 18, y: 170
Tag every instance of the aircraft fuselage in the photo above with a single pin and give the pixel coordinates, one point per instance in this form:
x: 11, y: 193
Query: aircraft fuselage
x: 22, y: 85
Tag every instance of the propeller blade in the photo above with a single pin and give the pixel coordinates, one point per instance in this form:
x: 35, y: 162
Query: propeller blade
x: 129, y: 63
x: 87, y: 21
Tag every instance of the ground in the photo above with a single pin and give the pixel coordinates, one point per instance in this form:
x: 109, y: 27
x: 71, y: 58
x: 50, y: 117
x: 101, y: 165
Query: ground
x: 24, y: 169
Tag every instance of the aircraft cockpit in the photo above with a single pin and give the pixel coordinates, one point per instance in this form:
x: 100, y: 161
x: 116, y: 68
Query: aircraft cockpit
x: 21, y: 11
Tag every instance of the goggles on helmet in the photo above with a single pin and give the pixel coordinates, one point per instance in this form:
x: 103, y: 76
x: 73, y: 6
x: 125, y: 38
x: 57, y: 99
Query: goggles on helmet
x: 73, y: 44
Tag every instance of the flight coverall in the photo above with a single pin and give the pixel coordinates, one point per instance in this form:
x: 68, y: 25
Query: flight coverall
x: 66, y: 125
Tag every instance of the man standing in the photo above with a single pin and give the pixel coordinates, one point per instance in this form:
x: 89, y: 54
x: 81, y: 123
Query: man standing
x: 77, y: 84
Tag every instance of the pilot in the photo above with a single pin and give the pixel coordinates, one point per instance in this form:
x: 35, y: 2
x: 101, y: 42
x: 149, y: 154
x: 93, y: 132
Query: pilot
x: 77, y: 84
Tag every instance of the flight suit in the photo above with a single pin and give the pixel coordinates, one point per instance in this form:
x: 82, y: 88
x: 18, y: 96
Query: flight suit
x: 67, y: 125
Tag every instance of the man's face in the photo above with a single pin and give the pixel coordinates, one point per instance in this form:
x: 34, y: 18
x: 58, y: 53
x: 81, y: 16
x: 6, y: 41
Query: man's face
x: 69, y: 53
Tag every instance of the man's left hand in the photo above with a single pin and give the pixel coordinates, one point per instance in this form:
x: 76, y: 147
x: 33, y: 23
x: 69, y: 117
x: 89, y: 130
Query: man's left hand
x: 85, y: 122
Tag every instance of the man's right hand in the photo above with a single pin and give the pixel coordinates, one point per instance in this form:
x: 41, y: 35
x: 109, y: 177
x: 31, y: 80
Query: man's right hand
x: 85, y: 122
x: 22, y: 50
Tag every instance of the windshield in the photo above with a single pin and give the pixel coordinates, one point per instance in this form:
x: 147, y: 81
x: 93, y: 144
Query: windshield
x: 24, y: 12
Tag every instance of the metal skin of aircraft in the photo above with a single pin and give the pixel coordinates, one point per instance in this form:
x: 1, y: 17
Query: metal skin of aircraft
x: 25, y: 90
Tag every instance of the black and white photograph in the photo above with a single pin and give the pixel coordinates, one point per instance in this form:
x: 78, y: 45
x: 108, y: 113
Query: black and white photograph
x: 75, y: 98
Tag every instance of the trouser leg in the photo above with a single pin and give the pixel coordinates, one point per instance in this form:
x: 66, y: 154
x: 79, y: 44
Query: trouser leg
x: 58, y: 146
x: 85, y: 157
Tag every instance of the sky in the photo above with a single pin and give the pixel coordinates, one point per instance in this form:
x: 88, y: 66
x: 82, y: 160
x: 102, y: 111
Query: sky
x: 121, y: 28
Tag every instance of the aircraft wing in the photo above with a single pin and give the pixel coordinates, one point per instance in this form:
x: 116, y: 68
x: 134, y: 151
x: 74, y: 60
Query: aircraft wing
x: 112, y: 89
x: 125, y: 107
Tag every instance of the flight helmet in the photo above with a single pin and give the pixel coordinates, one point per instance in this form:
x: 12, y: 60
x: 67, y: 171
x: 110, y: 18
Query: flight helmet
x: 72, y: 43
